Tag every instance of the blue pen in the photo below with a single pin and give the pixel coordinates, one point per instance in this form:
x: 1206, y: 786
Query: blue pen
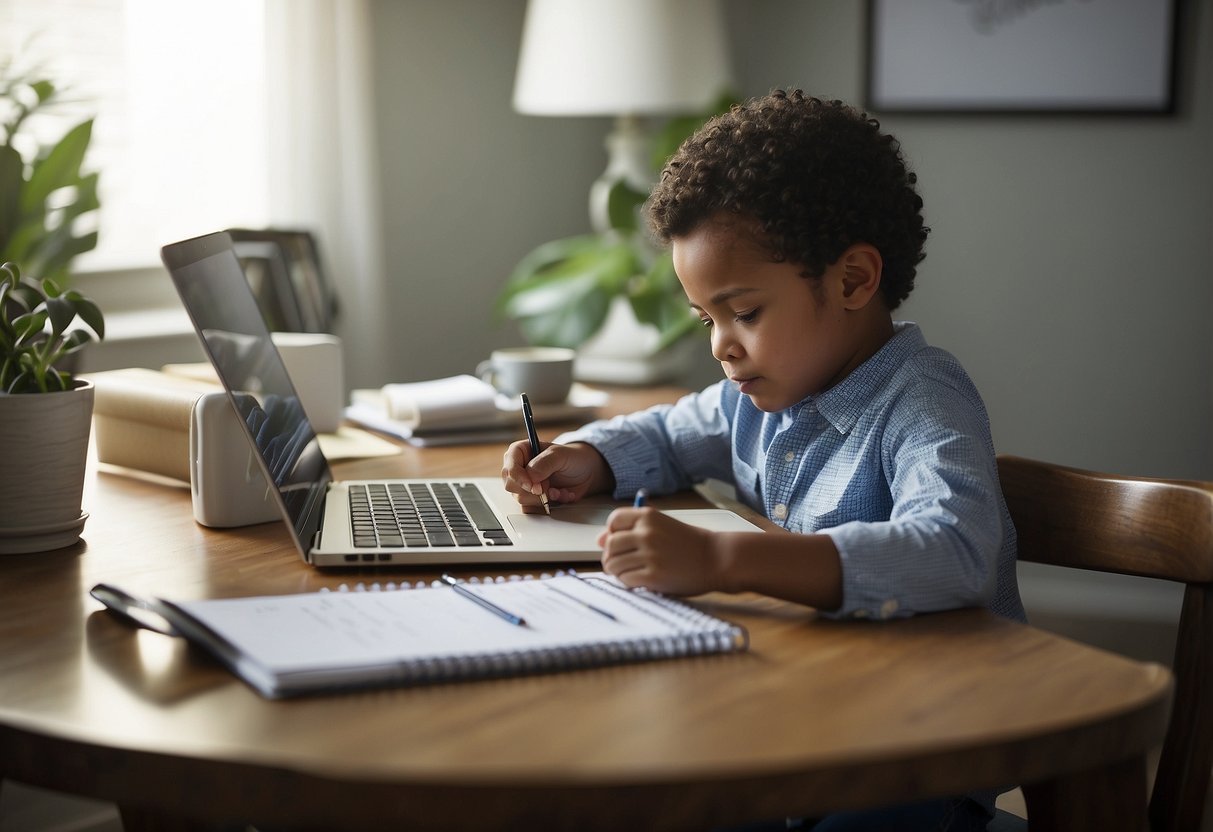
x: 641, y: 496
x: 460, y: 589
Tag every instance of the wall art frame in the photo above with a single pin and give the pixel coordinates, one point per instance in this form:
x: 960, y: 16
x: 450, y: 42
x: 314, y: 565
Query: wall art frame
x: 1022, y: 56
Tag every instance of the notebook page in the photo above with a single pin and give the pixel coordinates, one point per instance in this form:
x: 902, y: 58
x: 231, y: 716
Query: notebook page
x: 330, y: 630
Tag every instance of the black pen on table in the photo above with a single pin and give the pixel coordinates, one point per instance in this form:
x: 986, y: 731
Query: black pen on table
x: 484, y: 602
x: 528, y: 418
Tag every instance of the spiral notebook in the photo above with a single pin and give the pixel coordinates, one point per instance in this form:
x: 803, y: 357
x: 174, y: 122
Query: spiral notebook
x: 391, y: 634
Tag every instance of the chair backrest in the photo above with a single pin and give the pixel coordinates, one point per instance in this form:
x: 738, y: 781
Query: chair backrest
x: 1137, y: 526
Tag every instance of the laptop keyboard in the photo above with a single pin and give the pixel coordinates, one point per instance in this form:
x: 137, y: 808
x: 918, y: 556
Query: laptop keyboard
x: 416, y: 515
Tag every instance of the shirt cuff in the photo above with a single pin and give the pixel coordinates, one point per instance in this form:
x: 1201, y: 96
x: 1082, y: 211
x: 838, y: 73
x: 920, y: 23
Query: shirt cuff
x: 865, y: 584
x: 634, y: 462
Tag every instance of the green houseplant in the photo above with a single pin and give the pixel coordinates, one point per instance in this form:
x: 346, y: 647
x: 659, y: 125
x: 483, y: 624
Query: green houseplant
x: 43, y: 191
x: 45, y: 414
x: 562, y: 292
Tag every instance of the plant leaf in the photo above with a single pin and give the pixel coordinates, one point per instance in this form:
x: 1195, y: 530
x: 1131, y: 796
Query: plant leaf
x: 542, y: 257
x: 622, y: 202
x: 88, y: 311
x: 53, y: 252
x: 27, y: 295
x: 23, y: 382
x: 74, y: 340
x: 571, y: 326
x: 28, y: 325
x: 60, y: 312
x: 12, y: 179
x: 657, y: 299
x: 45, y: 90
x: 562, y: 298
x: 23, y: 239
x: 59, y: 169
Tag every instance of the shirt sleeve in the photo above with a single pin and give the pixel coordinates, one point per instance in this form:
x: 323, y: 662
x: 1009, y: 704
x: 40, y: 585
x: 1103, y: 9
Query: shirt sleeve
x: 939, y: 548
x: 669, y: 447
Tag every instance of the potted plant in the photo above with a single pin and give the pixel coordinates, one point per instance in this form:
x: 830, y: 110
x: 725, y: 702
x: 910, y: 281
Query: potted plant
x: 42, y: 189
x: 45, y: 414
x: 612, y: 295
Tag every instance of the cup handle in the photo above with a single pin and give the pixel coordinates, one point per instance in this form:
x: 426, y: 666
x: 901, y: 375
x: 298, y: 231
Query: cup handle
x: 484, y: 371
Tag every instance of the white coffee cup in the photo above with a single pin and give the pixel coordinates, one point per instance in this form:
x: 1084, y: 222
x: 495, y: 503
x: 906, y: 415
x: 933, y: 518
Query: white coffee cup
x: 545, y: 374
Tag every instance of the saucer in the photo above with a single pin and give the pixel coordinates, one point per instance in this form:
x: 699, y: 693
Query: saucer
x: 22, y: 539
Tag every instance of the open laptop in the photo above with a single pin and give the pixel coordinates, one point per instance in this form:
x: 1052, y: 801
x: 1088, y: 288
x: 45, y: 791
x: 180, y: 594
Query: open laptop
x: 372, y: 522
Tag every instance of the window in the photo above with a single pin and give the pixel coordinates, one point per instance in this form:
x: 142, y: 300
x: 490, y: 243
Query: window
x: 179, y: 93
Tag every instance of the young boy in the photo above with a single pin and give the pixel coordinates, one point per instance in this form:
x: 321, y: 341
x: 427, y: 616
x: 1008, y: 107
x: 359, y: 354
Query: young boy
x: 796, y: 229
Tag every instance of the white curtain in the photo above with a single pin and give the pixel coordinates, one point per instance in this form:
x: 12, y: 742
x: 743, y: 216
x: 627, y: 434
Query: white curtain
x: 323, y: 160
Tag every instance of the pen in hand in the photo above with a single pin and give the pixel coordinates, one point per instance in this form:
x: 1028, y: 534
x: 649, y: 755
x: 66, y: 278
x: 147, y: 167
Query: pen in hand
x: 642, y: 496
x: 528, y: 418
x: 484, y: 602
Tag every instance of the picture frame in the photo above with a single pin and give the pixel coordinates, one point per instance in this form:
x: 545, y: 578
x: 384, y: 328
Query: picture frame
x: 988, y: 56
x: 283, y: 268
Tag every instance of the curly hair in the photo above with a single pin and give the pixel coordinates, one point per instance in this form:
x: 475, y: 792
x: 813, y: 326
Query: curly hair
x: 816, y: 177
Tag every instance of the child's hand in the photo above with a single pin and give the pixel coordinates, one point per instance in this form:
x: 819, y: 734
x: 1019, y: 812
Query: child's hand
x: 566, y: 472
x: 643, y: 547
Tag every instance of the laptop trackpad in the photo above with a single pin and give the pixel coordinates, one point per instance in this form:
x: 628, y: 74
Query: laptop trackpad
x: 573, y: 527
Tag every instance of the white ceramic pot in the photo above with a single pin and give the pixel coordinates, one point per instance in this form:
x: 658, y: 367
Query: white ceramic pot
x: 43, y: 453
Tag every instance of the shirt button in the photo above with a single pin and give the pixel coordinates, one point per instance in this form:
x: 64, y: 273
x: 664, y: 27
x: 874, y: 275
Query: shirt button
x: 789, y: 456
x: 781, y: 511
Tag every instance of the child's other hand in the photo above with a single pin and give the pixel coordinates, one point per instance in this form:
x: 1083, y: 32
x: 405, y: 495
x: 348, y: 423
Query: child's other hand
x: 566, y: 472
x: 643, y: 547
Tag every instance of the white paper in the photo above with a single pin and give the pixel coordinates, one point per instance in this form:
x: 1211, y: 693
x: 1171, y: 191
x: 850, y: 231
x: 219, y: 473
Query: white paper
x: 446, y: 402
x: 333, y: 630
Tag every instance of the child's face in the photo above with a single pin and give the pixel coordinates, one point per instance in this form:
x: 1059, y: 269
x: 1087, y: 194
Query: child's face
x: 779, y: 336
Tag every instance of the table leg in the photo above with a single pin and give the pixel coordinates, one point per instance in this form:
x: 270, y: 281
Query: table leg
x: 1109, y: 798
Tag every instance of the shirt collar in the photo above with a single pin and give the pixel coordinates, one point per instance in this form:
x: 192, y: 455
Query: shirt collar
x: 845, y: 402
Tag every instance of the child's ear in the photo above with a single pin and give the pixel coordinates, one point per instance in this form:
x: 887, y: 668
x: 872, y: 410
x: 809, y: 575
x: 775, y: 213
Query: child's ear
x: 862, y: 267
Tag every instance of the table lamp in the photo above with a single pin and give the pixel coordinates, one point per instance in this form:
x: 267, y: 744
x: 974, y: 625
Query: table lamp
x: 623, y: 58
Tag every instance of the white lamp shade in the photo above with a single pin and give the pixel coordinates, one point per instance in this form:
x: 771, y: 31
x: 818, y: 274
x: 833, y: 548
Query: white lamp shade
x: 621, y: 57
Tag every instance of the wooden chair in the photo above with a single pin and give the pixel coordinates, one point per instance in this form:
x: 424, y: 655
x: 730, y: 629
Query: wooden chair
x: 1135, y: 526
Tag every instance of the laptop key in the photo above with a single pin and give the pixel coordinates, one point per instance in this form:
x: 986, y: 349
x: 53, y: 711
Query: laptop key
x: 477, y: 508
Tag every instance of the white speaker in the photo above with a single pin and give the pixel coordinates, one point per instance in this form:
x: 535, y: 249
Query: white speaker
x: 226, y: 482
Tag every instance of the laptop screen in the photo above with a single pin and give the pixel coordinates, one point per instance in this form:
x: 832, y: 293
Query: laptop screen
x: 215, y: 293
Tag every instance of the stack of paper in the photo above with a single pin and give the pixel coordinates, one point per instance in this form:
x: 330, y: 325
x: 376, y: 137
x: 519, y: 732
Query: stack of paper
x: 461, y: 410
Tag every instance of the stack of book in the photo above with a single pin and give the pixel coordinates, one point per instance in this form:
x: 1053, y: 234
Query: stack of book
x: 142, y: 418
x: 461, y: 410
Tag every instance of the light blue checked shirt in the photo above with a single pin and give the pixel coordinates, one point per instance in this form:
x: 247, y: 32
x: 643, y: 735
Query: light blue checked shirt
x: 895, y: 463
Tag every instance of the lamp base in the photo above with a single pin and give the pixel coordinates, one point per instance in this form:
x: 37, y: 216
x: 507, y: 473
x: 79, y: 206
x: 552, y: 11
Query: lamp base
x: 627, y: 160
x: 625, y: 352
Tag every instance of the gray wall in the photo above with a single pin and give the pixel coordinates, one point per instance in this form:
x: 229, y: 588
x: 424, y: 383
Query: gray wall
x: 1068, y: 266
